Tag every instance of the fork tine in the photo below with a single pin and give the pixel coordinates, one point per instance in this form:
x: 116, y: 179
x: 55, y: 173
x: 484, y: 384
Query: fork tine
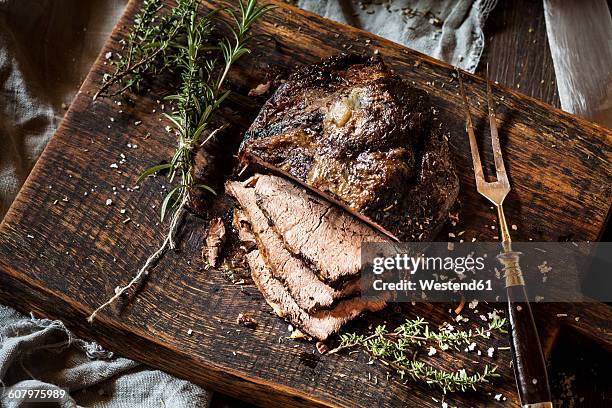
x: 500, y: 169
x: 478, y: 174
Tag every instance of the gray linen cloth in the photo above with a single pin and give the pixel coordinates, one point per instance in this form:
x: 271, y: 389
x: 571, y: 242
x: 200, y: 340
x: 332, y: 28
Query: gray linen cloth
x: 42, y: 354
x: 449, y: 30
x: 46, y: 49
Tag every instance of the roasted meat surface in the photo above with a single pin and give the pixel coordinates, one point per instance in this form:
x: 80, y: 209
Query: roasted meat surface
x: 294, y: 265
x: 320, y: 324
x: 302, y: 283
x: 355, y: 133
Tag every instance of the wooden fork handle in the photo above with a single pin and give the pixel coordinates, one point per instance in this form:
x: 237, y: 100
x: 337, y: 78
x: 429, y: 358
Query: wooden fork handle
x: 529, y: 365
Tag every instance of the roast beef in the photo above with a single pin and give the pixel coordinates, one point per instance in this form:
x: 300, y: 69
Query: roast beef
x: 320, y: 324
x: 308, y: 291
x: 326, y: 237
x: 355, y: 133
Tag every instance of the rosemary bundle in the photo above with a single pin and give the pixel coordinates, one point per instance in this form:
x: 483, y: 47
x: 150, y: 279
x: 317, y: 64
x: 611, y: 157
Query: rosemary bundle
x: 398, y: 349
x: 192, y: 47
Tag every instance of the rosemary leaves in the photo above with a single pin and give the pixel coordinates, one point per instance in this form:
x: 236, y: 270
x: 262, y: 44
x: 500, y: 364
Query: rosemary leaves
x: 397, y: 350
x: 192, y: 46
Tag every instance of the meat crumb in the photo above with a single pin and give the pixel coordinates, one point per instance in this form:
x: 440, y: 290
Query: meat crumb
x: 260, y: 89
x: 246, y: 320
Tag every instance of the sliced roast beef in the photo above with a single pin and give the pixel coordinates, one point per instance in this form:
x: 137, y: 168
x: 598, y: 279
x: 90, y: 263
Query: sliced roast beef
x: 325, y: 236
x: 320, y: 324
x: 305, y: 287
x: 355, y: 133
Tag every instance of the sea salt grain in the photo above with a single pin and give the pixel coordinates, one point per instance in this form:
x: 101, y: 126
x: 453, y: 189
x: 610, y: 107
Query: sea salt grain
x: 432, y: 351
x: 490, y: 351
x: 109, y: 201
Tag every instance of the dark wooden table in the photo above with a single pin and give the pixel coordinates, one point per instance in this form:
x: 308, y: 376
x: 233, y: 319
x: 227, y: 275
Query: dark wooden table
x: 519, y: 57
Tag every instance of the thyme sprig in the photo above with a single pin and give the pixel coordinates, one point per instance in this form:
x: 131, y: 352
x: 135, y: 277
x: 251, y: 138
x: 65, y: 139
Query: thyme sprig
x: 193, y: 47
x: 397, y: 349
x: 148, y: 46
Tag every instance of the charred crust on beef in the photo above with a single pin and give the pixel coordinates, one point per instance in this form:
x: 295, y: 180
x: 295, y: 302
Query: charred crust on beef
x: 362, y: 138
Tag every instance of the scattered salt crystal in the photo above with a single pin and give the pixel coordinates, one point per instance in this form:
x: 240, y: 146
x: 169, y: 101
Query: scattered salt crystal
x: 109, y: 201
x: 544, y: 267
x: 108, y: 55
x: 432, y: 351
x: 498, y: 397
x: 473, y: 304
x: 490, y: 351
x: 114, y: 166
x: 472, y: 346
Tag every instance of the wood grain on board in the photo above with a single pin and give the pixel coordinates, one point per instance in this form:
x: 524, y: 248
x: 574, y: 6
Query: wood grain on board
x: 63, y: 250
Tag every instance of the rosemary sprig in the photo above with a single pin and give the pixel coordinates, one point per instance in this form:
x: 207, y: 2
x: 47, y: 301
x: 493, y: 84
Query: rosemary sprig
x: 191, y: 46
x: 202, y: 93
x: 396, y: 350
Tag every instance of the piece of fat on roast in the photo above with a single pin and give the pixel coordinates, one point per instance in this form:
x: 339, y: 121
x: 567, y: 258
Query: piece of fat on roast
x: 320, y: 324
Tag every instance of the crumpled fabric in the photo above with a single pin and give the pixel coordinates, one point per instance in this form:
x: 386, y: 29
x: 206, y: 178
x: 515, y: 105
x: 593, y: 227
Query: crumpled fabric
x: 448, y: 30
x: 43, y: 354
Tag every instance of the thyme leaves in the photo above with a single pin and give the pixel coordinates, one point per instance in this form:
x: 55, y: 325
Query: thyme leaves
x: 397, y: 349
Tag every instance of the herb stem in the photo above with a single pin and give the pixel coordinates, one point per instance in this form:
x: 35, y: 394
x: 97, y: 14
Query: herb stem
x: 149, y: 263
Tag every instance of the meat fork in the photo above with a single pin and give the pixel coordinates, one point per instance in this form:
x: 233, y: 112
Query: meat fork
x: 529, y: 366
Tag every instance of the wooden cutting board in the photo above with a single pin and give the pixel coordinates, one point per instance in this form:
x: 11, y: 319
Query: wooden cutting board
x: 63, y: 250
